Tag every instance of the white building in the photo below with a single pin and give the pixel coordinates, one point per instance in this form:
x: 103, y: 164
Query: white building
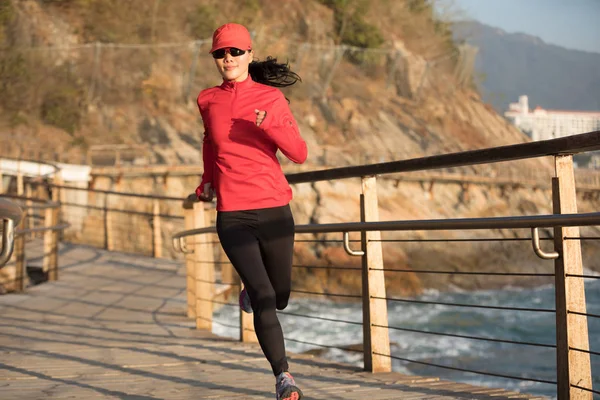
x: 542, y: 124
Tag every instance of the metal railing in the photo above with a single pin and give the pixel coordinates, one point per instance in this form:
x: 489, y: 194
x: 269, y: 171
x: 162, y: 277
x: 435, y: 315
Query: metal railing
x: 573, y: 374
x: 49, y: 229
x: 11, y: 215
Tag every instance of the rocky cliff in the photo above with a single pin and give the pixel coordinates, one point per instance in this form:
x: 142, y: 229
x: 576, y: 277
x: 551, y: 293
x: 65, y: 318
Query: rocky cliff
x: 128, y: 73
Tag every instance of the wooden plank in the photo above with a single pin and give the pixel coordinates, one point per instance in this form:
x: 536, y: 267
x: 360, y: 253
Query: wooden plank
x: 115, y: 327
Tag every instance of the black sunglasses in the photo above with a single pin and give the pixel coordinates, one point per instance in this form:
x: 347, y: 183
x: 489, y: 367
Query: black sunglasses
x: 234, y: 51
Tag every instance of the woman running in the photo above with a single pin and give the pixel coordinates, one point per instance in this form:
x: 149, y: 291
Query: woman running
x: 246, y: 120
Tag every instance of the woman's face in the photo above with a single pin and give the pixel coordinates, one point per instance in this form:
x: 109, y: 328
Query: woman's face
x: 234, y: 68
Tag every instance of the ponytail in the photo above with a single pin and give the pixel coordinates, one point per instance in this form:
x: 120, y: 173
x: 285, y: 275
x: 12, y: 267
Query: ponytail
x: 271, y: 73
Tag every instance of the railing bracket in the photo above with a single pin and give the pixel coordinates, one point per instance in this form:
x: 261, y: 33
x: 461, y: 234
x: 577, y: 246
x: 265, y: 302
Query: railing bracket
x: 180, y: 245
x: 535, y: 237
x: 347, y: 246
x: 8, y: 239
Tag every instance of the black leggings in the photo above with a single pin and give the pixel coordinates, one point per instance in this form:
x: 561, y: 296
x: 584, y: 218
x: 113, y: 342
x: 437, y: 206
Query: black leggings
x: 260, y: 245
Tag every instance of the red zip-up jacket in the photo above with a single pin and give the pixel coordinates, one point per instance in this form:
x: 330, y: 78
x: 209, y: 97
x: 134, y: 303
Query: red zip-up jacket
x: 239, y: 157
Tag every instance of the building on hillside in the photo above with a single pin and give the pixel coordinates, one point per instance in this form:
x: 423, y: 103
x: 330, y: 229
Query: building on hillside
x: 541, y: 124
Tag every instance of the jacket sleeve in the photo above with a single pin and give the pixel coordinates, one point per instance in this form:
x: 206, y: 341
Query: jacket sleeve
x: 208, y: 159
x: 208, y: 153
x: 281, y: 127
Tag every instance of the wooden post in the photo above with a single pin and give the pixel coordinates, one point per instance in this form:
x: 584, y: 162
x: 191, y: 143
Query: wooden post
x: 1, y: 182
x: 157, y: 233
x: 50, y: 264
x: 58, y: 196
x: 20, y: 259
x: 573, y: 367
x: 20, y: 187
x: 204, y: 273
x: 188, y: 215
x: 29, y: 222
x: 48, y: 222
x: 108, y: 229
x: 376, y: 339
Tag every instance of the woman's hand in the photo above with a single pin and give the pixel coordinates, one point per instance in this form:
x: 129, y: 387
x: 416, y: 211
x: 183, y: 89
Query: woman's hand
x: 205, y: 194
x: 260, y: 116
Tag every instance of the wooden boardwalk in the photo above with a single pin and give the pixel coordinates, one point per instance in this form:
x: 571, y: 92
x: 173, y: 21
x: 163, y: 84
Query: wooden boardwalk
x: 114, y: 327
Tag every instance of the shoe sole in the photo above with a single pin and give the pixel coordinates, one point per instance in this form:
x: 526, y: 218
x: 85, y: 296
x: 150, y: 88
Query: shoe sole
x: 292, y: 393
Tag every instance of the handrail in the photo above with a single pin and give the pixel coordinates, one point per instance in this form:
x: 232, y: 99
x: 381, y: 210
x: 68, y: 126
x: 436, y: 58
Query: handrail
x: 11, y: 215
x: 40, y: 204
x: 50, y: 164
x: 10, y: 210
x: 32, y: 161
x: 531, y: 221
x: 566, y: 145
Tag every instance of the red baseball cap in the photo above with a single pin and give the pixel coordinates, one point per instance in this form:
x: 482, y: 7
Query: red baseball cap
x: 231, y: 35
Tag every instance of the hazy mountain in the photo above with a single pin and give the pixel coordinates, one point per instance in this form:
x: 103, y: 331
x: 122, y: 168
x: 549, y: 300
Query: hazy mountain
x: 509, y: 65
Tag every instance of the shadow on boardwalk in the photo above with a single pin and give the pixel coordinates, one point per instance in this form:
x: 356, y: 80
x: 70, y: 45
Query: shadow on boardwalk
x: 114, y: 327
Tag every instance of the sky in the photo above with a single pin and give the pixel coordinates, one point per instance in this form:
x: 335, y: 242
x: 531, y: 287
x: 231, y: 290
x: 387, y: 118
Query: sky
x: 574, y: 24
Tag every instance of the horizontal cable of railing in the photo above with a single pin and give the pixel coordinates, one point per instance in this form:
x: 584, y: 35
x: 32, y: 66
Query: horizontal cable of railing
x: 531, y: 221
x: 217, y: 302
x: 350, y: 296
x: 211, y: 262
x: 326, y: 346
x: 58, y: 227
x: 595, y: 353
x: 583, y: 276
x: 320, y: 318
x: 118, y: 210
x: 456, y: 240
x: 520, y: 378
x: 421, y: 240
x: 585, y: 389
x: 416, y: 271
x: 438, y: 303
x: 124, y: 194
x: 38, y: 204
x: 327, y: 267
x: 566, y: 145
x: 223, y: 303
x: 583, y: 314
x: 465, y: 336
x: 217, y: 282
x: 213, y: 321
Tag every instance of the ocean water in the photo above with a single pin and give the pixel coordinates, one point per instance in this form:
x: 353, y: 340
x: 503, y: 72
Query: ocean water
x: 523, y: 361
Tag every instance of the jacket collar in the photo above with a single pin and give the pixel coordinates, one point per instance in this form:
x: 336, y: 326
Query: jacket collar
x: 233, y: 85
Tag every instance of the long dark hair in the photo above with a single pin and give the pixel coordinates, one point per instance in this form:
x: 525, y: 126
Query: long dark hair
x: 270, y: 72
